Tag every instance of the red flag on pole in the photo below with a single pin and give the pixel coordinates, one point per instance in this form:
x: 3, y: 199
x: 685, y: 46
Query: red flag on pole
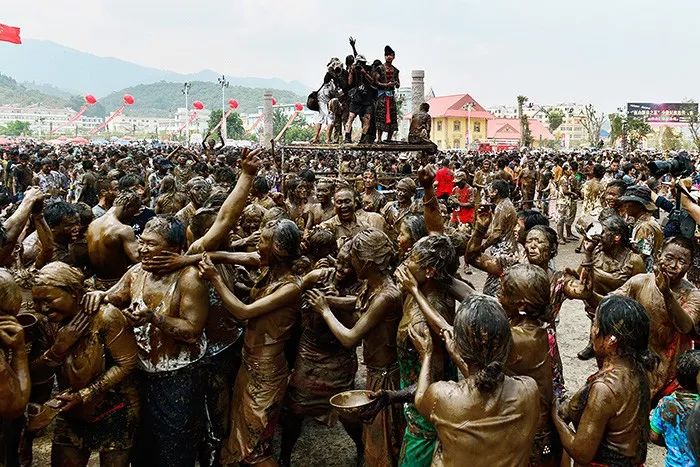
x: 9, y: 34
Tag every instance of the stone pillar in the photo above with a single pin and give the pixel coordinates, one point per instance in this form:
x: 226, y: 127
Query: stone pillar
x: 267, y: 119
x: 417, y: 89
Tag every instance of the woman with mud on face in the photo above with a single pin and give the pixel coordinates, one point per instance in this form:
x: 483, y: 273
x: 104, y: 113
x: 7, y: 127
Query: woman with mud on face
x: 92, y: 357
x: 379, y: 304
x: 262, y: 379
x: 15, y: 386
x: 323, y: 367
x: 540, y: 248
x: 611, y: 411
x: 488, y: 418
x: 432, y: 261
x: 524, y: 296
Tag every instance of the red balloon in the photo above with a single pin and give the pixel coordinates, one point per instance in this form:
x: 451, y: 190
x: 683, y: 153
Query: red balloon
x: 128, y: 99
x: 233, y: 103
x: 198, y: 105
x: 274, y: 101
x: 90, y: 99
x: 298, y: 107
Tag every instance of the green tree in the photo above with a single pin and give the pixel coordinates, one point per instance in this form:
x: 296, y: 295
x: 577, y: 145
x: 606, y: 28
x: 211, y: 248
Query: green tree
x: 234, y: 124
x: 671, y: 140
x: 95, y: 110
x: 15, y: 128
x: 279, y: 120
x: 694, y: 127
x: 592, y: 122
x: 637, y: 130
x: 617, y: 128
x: 299, y: 130
x: 555, y: 118
x: 525, y: 135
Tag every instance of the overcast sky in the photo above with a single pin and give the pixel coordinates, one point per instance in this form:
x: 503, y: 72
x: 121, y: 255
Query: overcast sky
x: 605, y: 52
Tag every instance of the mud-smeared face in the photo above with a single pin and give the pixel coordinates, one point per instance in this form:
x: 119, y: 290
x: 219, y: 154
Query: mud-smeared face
x: 537, y: 247
x: 54, y: 302
x: 344, y: 203
x: 675, y: 261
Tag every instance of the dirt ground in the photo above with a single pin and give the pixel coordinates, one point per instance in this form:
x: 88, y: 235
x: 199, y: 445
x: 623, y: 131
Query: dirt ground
x: 323, y: 446
x: 332, y: 447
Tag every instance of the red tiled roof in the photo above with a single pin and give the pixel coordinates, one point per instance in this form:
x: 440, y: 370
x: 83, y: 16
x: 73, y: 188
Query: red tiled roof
x: 509, y: 128
x: 453, y: 106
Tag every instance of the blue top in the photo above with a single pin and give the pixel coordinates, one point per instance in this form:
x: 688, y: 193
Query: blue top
x: 669, y: 419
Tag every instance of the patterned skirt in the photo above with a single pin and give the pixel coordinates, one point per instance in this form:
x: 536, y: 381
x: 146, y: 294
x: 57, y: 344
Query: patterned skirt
x: 255, y: 406
x: 385, y: 114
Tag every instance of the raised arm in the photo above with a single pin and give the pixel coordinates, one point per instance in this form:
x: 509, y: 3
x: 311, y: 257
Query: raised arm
x: 436, y: 322
x: 431, y: 209
x: 369, y: 320
x: 287, y: 295
x: 233, y: 206
x: 14, y: 372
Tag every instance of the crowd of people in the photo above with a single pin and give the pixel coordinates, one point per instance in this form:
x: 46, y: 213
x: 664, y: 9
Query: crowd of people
x: 357, y: 89
x: 165, y: 305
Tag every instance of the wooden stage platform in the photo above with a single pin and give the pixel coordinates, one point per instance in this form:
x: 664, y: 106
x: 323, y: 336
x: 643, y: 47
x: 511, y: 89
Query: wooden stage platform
x: 383, y: 147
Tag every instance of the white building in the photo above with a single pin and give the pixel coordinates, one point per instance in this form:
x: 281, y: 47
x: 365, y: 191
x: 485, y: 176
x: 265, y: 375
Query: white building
x: 163, y: 126
x: 571, y: 132
x: 43, y: 120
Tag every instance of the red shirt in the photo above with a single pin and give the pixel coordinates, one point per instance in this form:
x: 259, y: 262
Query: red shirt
x: 463, y: 215
x: 445, y: 182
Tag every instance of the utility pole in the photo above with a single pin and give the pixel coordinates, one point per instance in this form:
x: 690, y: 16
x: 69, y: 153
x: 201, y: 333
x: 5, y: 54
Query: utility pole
x: 185, y: 90
x: 468, y: 107
x: 224, y: 84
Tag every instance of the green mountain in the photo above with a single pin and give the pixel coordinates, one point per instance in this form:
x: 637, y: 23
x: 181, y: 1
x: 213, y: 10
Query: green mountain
x: 11, y: 92
x: 44, y: 61
x: 163, y: 98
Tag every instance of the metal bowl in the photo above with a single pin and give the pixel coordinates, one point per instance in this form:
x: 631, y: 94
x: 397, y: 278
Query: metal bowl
x: 349, y: 403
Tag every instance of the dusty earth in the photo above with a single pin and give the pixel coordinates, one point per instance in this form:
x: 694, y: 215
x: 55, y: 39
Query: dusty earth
x: 323, y: 446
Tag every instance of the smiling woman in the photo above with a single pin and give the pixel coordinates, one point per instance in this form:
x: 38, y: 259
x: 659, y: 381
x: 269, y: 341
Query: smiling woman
x: 90, y: 389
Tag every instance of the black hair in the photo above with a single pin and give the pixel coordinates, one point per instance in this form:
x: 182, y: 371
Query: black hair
x: 216, y: 199
x: 415, y: 223
x: 618, y: 226
x: 501, y: 187
x: 307, y: 175
x: 687, y: 370
x: 628, y: 321
x: 483, y: 336
x: 286, y: 240
x: 682, y: 242
x: 530, y: 284
x: 128, y: 181
x: 55, y: 212
x: 88, y: 164
x: 425, y: 107
x: 598, y: 171
x: 619, y: 184
x: 85, y: 213
x: 321, y: 243
x: 201, y: 221
x: 532, y: 217
x: 551, y: 236
x: 260, y: 185
x: 170, y: 228
x: 436, y: 251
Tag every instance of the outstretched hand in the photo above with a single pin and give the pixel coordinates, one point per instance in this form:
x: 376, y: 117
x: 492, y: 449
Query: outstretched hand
x: 250, y: 161
x: 206, y: 268
x: 420, y: 336
x: 317, y: 300
x: 405, y: 279
x: 426, y: 175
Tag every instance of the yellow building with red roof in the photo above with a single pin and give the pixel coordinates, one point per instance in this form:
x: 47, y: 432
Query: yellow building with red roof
x: 453, y: 118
